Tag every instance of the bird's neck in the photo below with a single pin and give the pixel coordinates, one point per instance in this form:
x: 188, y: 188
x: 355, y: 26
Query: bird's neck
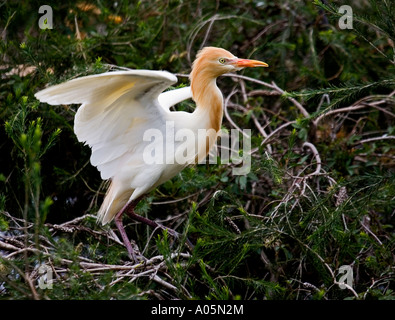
x: 209, y: 100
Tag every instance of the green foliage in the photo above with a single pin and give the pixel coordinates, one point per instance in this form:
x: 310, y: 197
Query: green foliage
x: 320, y: 191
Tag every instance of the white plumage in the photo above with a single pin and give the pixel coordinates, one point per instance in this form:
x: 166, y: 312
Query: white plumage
x: 117, y: 108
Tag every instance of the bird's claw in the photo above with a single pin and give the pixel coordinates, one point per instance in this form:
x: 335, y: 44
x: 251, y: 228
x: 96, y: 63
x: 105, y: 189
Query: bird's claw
x: 137, y: 258
x: 171, y: 232
x: 134, y: 253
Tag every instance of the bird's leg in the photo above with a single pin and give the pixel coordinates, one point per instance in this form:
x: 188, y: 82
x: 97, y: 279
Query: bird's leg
x: 130, y: 212
x: 119, y: 224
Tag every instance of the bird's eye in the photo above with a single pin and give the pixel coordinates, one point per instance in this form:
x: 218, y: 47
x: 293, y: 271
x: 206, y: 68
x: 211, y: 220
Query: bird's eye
x: 222, y: 60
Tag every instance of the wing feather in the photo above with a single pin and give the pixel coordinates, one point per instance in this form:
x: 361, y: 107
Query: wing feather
x: 172, y: 97
x: 116, y: 107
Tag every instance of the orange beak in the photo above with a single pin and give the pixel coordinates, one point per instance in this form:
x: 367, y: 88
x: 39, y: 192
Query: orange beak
x: 243, y: 63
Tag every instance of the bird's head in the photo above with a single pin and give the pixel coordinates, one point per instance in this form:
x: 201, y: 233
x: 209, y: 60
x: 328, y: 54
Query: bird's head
x: 213, y: 62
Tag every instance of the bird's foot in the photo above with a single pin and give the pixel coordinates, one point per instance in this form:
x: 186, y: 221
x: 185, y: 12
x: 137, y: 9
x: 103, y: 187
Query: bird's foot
x: 174, y: 234
x: 137, y: 258
x: 177, y: 236
x: 134, y: 253
x: 171, y: 232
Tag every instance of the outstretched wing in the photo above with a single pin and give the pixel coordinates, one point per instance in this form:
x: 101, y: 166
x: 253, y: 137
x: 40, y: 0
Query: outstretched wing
x: 116, y: 108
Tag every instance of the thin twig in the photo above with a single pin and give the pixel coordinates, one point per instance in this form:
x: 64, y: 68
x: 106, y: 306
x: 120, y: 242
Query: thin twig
x: 384, y: 137
x: 316, y: 155
x: 266, y: 140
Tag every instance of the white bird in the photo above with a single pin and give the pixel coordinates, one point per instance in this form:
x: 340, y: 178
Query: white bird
x: 118, y: 110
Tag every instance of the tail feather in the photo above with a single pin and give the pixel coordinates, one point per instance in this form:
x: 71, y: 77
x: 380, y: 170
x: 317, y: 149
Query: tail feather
x: 113, y: 202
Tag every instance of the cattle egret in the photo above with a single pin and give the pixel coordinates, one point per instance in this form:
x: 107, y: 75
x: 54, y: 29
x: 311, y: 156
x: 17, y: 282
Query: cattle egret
x: 122, y: 111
